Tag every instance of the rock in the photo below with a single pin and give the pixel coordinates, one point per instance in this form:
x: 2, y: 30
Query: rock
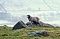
x: 29, y: 24
x: 40, y: 24
x: 19, y: 25
x: 45, y: 24
x: 39, y: 34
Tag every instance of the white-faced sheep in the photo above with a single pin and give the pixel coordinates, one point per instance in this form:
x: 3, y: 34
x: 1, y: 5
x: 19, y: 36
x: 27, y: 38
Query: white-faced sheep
x: 34, y: 20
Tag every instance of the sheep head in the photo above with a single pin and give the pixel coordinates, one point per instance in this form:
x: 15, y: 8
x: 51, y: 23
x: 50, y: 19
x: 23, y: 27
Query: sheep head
x: 28, y: 16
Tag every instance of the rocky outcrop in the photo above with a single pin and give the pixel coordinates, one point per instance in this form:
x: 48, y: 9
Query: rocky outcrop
x: 40, y: 24
x: 45, y: 24
x: 29, y: 24
x: 39, y: 34
x: 19, y: 25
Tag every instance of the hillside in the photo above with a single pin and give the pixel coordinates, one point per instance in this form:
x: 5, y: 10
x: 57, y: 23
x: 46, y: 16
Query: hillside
x: 8, y: 33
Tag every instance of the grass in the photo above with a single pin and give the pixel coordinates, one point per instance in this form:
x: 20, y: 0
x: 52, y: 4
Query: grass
x: 7, y: 33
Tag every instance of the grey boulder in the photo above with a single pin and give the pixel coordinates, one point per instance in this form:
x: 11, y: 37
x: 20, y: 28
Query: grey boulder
x: 40, y: 24
x: 19, y: 25
x: 39, y: 34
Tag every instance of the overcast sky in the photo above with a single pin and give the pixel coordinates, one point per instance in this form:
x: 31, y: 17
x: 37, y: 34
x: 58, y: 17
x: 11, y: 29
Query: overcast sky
x: 11, y: 11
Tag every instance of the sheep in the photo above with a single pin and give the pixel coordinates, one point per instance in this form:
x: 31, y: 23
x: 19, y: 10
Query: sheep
x: 34, y: 20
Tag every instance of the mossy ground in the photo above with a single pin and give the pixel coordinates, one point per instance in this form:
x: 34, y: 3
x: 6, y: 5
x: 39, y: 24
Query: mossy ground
x: 8, y: 33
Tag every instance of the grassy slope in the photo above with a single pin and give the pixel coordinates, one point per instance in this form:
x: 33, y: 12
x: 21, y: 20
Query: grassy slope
x: 8, y: 33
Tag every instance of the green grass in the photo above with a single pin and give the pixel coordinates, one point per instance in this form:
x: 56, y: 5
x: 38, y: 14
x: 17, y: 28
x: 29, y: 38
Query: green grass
x: 8, y: 33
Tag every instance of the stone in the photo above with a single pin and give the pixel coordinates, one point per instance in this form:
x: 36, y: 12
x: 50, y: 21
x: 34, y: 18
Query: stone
x: 29, y: 24
x: 40, y: 24
x: 19, y: 25
x: 45, y: 24
x: 39, y: 34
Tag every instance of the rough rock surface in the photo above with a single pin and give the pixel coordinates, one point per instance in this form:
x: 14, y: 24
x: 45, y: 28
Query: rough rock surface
x: 41, y: 24
x: 45, y: 24
x: 39, y: 34
x: 19, y: 25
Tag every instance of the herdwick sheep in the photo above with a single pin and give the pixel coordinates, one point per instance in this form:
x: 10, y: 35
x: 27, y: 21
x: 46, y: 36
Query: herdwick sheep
x: 34, y: 20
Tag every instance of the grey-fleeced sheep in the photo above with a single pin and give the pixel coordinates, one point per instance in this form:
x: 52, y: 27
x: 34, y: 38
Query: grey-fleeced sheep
x: 34, y: 20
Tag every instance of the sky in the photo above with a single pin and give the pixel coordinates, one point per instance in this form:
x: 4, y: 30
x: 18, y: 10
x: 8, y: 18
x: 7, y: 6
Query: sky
x: 12, y: 11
